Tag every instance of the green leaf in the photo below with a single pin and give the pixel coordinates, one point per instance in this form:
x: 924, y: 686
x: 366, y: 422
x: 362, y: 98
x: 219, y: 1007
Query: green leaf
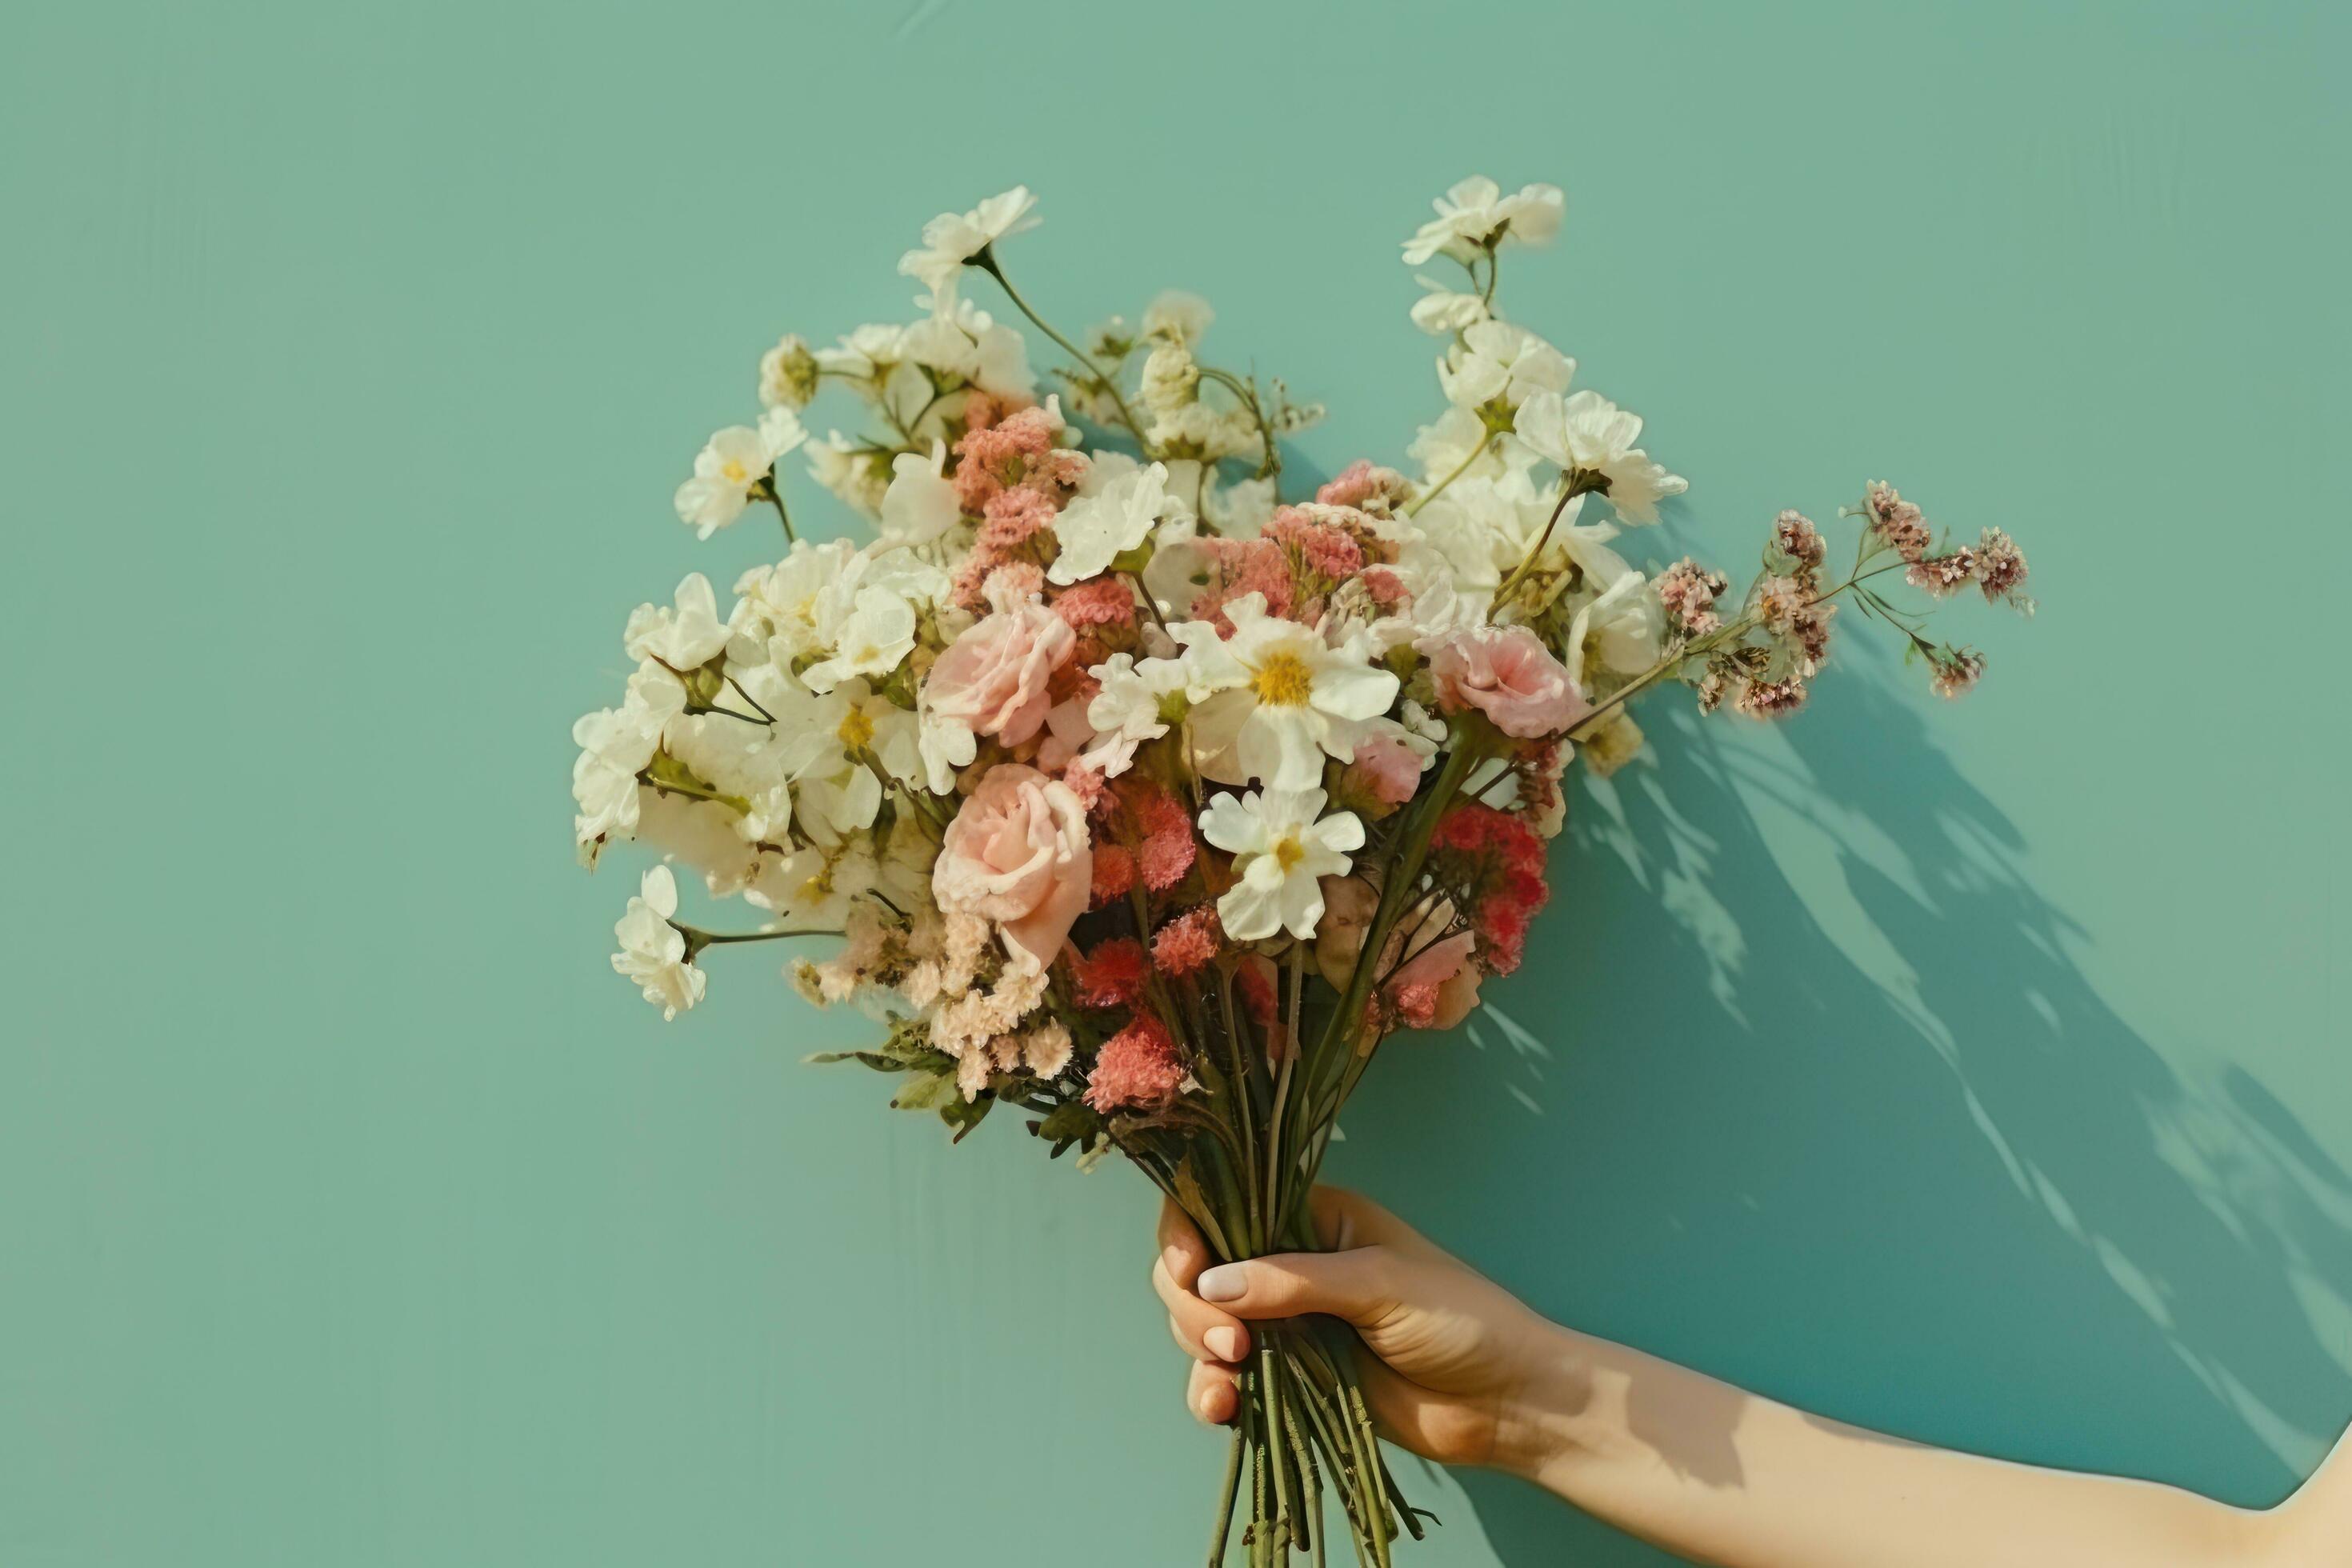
x: 964, y: 1115
x: 928, y: 1091
x: 1068, y: 1123
x: 1195, y: 1199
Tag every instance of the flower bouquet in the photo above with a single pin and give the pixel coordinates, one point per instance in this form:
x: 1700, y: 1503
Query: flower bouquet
x: 1149, y: 794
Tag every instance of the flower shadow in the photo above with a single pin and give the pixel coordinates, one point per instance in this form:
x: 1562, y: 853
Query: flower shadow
x: 1802, y: 1085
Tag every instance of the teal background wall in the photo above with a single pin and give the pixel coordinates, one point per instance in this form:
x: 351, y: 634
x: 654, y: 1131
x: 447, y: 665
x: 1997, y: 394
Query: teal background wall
x: 1974, y: 1072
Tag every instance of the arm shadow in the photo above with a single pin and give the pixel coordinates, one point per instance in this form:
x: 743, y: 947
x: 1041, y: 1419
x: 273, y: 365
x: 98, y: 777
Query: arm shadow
x: 1802, y: 1085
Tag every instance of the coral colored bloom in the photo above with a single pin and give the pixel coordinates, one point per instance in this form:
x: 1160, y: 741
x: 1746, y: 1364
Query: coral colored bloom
x: 1018, y: 852
x: 1507, y: 674
x: 1186, y: 944
x: 1111, y: 975
x: 1139, y: 1069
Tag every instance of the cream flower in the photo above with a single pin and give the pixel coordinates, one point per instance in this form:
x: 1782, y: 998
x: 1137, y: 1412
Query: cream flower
x: 685, y: 637
x: 734, y: 460
x: 1117, y: 506
x: 873, y: 638
x: 920, y: 503
x: 616, y: 744
x: 1590, y: 437
x: 1283, y: 697
x: 1282, y: 846
x: 1442, y: 312
x: 1497, y: 360
x: 950, y: 240
x: 652, y: 950
x: 1476, y: 213
x: 1138, y: 702
x: 969, y: 343
x: 788, y: 375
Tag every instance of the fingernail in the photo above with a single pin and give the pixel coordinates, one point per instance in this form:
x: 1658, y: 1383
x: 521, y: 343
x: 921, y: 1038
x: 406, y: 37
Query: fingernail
x: 1225, y: 1344
x: 1225, y: 1282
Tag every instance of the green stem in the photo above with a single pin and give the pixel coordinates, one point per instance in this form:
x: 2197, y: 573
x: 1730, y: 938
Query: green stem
x: 1459, y: 469
x: 776, y: 494
x: 1228, y: 1492
x: 1573, y: 487
x: 697, y: 939
x: 986, y: 261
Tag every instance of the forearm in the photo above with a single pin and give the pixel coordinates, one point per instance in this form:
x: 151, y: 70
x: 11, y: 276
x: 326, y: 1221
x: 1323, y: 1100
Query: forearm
x: 1723, y: 1477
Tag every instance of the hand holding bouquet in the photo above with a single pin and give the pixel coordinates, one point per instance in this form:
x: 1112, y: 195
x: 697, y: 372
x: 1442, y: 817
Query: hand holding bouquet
x: 1151, y: 796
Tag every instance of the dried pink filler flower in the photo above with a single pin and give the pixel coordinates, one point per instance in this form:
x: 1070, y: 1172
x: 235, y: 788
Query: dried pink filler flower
x: 1896, y: 520
x: 1689, y: 592
x: 1138, y: 1069
x: 1770, y: 698
x: 1958, y: 672
x: 1795, y: 536
x: 1943, y: 575
x: 1103, y: 602
x: 1359, y: 482
x: 2001, y: 569
x: 1323, y: 551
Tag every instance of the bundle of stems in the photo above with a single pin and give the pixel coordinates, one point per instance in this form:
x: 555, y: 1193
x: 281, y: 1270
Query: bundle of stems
x: 1242, y: 1165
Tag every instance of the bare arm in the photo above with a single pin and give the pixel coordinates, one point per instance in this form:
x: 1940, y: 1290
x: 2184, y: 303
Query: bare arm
x: 1466, y: 1375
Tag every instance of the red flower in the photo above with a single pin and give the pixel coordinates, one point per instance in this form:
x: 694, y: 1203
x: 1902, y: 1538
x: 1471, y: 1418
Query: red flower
x: 1111, y: 975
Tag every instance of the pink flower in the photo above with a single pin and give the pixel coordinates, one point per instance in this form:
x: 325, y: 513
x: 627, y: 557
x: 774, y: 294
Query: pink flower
x: 1139, y: 1069
x: 1506, y: 673
x: 1018, y: 853
x: 1443, y: 974
x: 1187, y: 943
x: 993, y: 679
x: 1388, y: 767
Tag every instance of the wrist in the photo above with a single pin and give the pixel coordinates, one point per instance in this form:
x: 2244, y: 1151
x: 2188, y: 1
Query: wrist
x: 1550, y: 1417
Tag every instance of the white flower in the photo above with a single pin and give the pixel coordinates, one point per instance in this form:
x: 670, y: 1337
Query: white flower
x: 920, y: 503
x: 1495, y: 358
x: 950, y: 240
x: 945, y: 746
x: 1282, y: 846
x: 1587, y: 434
x: 616, y: 744
x: 1622, y: 624
x: 865, y: 354
x: 652, y: 950
x: 873, y: 638
x: 967, y: 341
x: 683, y: 637
x: 1476, y: 213
x: 851, y: 471
x: 1118, y: 505
x: 726, y: 469
x: 1442, y: 311
x: 1173, y: 313
x: 1283, y: 698
x: 788, y: 375
x: 1137, y: 702
x: 1443, y: 446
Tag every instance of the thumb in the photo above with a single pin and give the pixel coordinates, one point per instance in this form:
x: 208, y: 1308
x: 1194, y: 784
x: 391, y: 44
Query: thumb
x: 1355, y: 1285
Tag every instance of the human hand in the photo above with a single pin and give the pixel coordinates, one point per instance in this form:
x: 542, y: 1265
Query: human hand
x: 1455, y: 1361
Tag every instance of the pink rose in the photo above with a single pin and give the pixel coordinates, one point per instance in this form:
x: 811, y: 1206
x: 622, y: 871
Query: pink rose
x: 1506, y: 673
x: 1018, y: 853
x: 993, y: 678
x: 1390, y: 767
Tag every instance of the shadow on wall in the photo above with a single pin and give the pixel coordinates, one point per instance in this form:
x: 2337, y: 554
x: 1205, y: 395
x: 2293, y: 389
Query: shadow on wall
x: 1801, y: 1086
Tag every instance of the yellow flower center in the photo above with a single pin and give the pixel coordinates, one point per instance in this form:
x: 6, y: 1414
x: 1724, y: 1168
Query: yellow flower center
x: 1289, y: 852
x: 1284, y: 682
x: 857, y: 729
x: 736, y: 473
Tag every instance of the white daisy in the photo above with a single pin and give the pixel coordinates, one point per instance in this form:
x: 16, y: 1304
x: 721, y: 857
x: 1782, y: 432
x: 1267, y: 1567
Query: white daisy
x: 731, y: 464
x: 1282, y: 846
x: 1283, y: 698
x: 920, y: 503
x: 686, y: 636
